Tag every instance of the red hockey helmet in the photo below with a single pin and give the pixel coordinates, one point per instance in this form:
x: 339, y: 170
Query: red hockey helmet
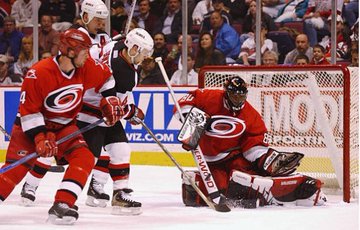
x: 74, y: 39
x: 235, y: 93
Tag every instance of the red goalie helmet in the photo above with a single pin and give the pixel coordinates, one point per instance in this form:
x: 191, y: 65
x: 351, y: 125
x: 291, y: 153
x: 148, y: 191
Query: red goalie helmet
x: 235, y: 93
x: 74, y: 39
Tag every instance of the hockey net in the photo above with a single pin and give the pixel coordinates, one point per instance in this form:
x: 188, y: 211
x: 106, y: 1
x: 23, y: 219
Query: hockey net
x: 312, y: 110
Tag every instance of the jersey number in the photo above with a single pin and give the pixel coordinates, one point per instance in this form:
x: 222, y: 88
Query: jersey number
x: 22, y: 97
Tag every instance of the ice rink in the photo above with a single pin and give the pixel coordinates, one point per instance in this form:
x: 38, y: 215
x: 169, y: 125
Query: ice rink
x: 159, y: 190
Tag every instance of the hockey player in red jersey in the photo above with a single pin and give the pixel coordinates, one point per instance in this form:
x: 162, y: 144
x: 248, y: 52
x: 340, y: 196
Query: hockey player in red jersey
x: 51, y: 98
x: 93, y: 13
x: 242, y: 164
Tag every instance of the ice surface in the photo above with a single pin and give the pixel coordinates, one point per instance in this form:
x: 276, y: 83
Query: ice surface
x: 159, y: 190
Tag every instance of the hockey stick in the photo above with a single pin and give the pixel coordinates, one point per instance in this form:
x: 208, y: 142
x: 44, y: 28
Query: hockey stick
x: 5, y: 133
x: 128, y: 22
x: 221, y: 207
x: 62, y: 140
x: 127, y: 27
x: 197, y: 153
x: 53, y: 168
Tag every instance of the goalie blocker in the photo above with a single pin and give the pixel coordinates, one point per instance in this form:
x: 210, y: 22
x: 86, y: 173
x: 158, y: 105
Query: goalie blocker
x: 250, y: 191
x: 193, y: 127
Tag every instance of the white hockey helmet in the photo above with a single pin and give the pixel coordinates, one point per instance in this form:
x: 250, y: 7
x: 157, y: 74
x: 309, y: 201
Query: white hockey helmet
x: 94, y: 8
x: 142, y: 39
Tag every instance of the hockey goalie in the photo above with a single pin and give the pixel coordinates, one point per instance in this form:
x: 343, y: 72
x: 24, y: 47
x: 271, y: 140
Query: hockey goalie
x: 244, y: 167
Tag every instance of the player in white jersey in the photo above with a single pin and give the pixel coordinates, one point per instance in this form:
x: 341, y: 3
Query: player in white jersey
x: 123, y: 59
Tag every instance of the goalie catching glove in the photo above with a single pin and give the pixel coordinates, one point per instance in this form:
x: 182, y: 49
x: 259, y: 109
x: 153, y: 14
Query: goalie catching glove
x: 46, y: 144
x: 112, y: 110
x: 133, y: 114
x: 276, y: 163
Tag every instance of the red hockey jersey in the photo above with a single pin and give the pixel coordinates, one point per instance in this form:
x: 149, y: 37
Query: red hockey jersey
x: 47, y: 94
x: 225, y: 131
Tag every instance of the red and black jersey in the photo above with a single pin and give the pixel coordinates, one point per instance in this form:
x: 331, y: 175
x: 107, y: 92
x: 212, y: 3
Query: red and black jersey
x: 225, y: 132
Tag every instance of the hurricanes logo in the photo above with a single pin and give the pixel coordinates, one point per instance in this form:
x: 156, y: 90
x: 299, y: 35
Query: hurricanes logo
x: 64, y: 99
x: 225, y: 127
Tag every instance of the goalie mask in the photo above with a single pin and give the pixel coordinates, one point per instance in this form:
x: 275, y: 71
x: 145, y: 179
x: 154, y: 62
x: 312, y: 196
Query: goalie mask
x: 235, y: 93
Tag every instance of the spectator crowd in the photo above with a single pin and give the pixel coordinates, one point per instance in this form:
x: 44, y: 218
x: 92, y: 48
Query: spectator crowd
x: 220, y: 32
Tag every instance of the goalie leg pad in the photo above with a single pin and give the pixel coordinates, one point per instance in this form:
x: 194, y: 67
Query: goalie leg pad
x: 248, y: 190
x: 296, y: 190
x: 275, y: 163
x: 189, y: 196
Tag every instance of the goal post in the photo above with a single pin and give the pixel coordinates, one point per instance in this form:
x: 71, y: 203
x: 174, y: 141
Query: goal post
x: 309, y: 109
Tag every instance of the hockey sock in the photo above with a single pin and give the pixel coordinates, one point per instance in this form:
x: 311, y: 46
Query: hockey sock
x: 81, y: 161
x: 10, y: 179
x: 119, y: 167
x: 41, y: 167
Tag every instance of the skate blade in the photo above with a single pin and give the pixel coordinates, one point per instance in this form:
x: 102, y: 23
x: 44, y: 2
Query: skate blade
x: 92, y: 202
x: 26, y: 202
x: 66, y: 220
x: 122, y: 211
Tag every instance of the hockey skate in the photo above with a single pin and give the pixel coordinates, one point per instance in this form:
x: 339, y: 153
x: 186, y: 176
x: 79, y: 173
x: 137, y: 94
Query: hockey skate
x: 28, y: 195
x: 62, y: 214
x: 96, y: 195
x: 123, y: 205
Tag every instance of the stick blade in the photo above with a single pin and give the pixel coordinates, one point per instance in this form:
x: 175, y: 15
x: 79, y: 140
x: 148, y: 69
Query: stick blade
x: 222, y: 207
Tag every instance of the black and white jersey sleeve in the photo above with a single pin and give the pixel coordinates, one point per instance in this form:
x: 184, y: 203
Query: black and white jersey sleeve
x: 125, y: 73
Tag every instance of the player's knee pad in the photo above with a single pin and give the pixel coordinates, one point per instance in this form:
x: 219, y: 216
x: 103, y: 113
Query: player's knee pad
x: 119, y: 152
x: 189, y: 195
x: 296, y: 189
x: 275, y: 163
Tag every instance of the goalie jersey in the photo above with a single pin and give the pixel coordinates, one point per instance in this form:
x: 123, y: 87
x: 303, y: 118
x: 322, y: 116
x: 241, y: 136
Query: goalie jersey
x: 226, y: 134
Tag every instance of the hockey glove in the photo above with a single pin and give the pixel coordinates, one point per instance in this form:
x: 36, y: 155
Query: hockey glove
x: 111, y: 109
x: 133, y: 114
x: 276, y: 163
x: 46, y: 144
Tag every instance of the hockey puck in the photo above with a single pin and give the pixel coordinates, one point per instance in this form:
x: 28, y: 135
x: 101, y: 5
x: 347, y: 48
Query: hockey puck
x: 57, y: 168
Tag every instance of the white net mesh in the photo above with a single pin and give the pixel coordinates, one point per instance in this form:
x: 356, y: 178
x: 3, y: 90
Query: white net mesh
x: 303, y: 109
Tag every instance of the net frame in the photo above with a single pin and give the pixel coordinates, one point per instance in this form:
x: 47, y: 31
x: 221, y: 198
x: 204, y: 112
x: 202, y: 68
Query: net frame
x: 229, y: 71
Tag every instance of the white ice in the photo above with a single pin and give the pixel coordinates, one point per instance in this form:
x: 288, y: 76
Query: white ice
x: 159, y: 190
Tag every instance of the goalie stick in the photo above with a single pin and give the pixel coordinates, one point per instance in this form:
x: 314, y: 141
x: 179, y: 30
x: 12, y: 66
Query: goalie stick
x: 62, y: 140
x: 199, y: 158
x: 5, y: 133
x: 220, y: 207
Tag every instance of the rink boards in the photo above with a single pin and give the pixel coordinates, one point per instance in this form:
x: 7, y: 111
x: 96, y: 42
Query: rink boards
x: 157, y: 105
